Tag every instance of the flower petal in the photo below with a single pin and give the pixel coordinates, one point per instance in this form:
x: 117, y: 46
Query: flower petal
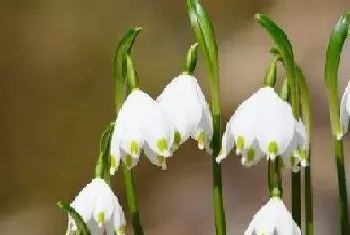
x: 344, y: 112
x: 181, y: 103
x: 154, y: 157
x: 277, y: 123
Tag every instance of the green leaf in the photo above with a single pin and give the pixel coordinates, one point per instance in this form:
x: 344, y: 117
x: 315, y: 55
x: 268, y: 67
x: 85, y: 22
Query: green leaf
x: 103, y: 161
x: 205, y: 36
x: 335, y: 47
x: 284, y: 48
x: 124, y: 47
x: 82, y: 228
x: 304, y: 101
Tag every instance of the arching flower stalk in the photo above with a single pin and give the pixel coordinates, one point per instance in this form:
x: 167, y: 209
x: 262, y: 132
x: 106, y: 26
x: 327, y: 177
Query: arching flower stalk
x: 338, y: 113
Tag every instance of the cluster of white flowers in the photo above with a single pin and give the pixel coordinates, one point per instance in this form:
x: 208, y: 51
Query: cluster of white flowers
x: 100, y: 210
x: 264, y: 125
x: 273, y: 219
x: 159, y: 126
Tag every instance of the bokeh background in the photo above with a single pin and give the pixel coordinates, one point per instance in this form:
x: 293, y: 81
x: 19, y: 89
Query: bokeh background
x: 56, y: 96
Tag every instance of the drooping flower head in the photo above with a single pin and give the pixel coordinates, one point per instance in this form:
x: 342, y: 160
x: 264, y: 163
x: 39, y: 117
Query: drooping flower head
x: 141, y: 124
x: 100, y: 210
x: 184, y: 103
x: 273, y: 219
x: 264, y: 125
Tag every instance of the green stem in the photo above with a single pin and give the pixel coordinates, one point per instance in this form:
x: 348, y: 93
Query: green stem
x: 219, y: 213
x: 274, y: 178
x: 132, y: 83
x: 296, y: 198
x: 306, y: 118
x: 125, y: 80
x: 205, y: 36
x: 132, y: 203
x: 308, y: 201
x: 335, y: 46
x: 343, y: 202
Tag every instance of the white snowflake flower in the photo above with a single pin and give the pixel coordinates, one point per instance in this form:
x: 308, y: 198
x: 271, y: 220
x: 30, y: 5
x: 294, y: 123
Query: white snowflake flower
x: 273, y: 219
x: 264, y: 125
x: 100, y: 210
x: 184, y: 103
x: 141, y: 122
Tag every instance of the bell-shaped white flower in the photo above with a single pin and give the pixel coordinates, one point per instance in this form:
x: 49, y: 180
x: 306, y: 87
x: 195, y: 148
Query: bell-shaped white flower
x: 264, y: 125
x: 273, y: 219
x: 141, y: 122
x: 344, y: 112
x: 184, y: 103
x: 100, y: 210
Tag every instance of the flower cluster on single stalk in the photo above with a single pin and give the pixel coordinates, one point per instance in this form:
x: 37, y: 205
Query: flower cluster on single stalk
x: 99, y: 209
x: 158, y: 127
x: 273, y: 219
x: 264, y: 125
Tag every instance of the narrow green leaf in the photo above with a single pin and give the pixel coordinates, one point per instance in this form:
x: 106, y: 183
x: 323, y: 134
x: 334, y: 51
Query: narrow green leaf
x: 82, y: 228
x: 284, y: 48
x: 204, y: 31
x: 124, y: 47
x: 335, y: 47
x: 304, y: 101
x: 103, y: 161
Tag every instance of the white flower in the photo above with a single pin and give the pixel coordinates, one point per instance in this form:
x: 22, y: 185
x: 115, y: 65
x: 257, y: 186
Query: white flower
x: 184, y: 103
x: 273, y: 219
x: 264, y: 125
x: 344, y: 112
x: 100, y: 210
x: 141, y: 124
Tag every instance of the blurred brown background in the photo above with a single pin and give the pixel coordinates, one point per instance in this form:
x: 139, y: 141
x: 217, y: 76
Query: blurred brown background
x: 56, y: 96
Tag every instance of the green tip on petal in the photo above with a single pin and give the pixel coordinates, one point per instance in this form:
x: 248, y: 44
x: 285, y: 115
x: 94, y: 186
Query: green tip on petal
x: 128, y: 161
x: 160, y: 159
x: 177, y: 138
x: 201, y: 138
x: 100, y: 218
x: 273, y: 148
x: 121, y: 230
x: 240, y: 142
x: 113, y: 162
x: 134, y: 148
x: 162, y: 145
x: 251, y: 155
x: 292, y: 160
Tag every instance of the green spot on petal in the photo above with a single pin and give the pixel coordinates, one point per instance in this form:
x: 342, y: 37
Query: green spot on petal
x: 240, y: 142
x: 113, y: 162
x: 273, y: 148
x: 121, y: 230
x: 162, y: 145
x: 201, y: 137
x: 177, y: 138
x: 160, y: 159
x: 251, y: 155
x: 302, y: 154
x: 101, y: 218
x: 292, y: 160
x: 128, y: 161
x: 134, y: 149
